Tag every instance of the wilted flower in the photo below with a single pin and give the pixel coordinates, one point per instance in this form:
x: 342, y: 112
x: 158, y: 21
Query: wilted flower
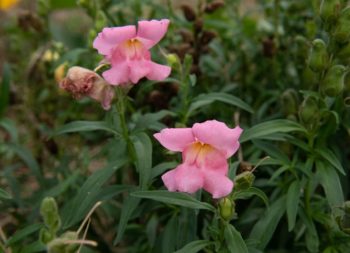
x: 84, y: 82
x: 205, y: 148
x: 127, y: 49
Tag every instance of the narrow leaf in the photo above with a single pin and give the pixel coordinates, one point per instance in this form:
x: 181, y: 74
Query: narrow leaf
x: 234, y: 240
x: 5, y: 88
x: 82, y: 126
x: 329, y: 156
x: 265, y: 129
x: 23, y: 233
x: 293, y: 195
x: 174, y: 198
x: 4, y: 194
x: 194, y: 247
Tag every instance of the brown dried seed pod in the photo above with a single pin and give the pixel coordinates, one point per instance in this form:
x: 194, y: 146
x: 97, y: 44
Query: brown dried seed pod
x: 269, y: 47
x: 211, y: 7
x: 198, y: 25
x: 207, y: 36
x: 27, y: 20
x: 186, y: 35
x: 188, y: 12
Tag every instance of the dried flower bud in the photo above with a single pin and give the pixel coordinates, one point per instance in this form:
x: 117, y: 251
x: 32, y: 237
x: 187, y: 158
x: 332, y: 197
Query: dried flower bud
x: 308, y: 111
x: 329, y: 10
x: 28, y: 20
x: 226, y: 208
x: 244, y: 180
x: 207, y: 36
x: 318, y: 56
x: 188, y: 12
x: 84, y: 82
x: 49, y: 212
x: 186, y: 35
x: 333, y: 83
x: 342, y: 29
x: 213, y: 6
x: 198, y: 25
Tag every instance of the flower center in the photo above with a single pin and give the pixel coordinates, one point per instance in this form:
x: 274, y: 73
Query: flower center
x: 132, y: 49
x: 197, y: 152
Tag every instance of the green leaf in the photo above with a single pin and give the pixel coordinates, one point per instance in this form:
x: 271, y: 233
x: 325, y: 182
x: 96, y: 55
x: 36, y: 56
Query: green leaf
x: 169, y: 233
x: 161, y: 168
x: 128, y: 208
x: 151, y: 120
x: 330, y: 182
x: 81, y: 126
x: 5, y: 88
x: 174, y: 198
x: 143, y: 150
x: 329, y: 156
x: 10, y: 127
x: 61, y: 186
x: 23, y: 233
x: 206, y: 99
x: 311, y: 236
x: 272, y: 151
x: 4, y: 194
x: 266, y: 226
x: 265, y: 129
x: 34, y: 247
x: 234, y: 240
x: 88, y: 195
x: 194, y: 246
x: 248, y: 193
x: 293, y: 196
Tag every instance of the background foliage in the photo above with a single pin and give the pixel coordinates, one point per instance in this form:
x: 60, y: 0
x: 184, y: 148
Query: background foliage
x: 252, y: 63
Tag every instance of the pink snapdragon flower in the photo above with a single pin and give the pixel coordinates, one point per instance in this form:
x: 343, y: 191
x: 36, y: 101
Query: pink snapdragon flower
x: 205, y: 149
x: 127, y: 49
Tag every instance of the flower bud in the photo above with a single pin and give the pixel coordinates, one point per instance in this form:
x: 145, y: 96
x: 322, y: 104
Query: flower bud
x: 43, y: 7
x: 60, y: 71
x: 329, y: 10
x: 172, y: 60
x: 318, y: 56
x: 188, y: 12
x: 59, y: 245
x: 101, y: 20
x: 84, y: 82
x: 207, y: 36
x: 344, y: 52
x: 45, y: 236
x: 344, y: 220
x: 289, y: 100
x: 226, y: 208
x: 333, y: 83
x: 244, y: 180
x: 342, y: 29
x: 49, y: 212
x: 308, y: 111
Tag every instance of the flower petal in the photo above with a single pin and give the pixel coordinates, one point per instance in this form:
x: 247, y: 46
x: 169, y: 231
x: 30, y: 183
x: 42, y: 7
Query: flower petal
x: 118, y: 74
x: 169, y: 180
x: 152, y: 30
x: 107, y: 97
x: 175, y: 139
x: 212, y: 159
x: 217, y: 184
x: 218, y: 135
x: 158, y: 72
x: 110, y: 37
x: 138, y: 70
x: 188, y: 178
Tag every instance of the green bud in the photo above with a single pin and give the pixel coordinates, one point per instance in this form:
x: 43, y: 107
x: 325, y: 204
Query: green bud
x: 289, y: 100
x: 43, y: 7
x: 333, y: 83
x: 45, y: 236
x: 318, y: 56
x: 101, y: 20
x: 308, y: 111
x: 344, y: 220
x: 244, y: 180
x: 329, y: 10
x: 91, y: 37
x: 59, y: 245
x: 173, y: 60
x: 302, y: 46
x: 342, y: 29
x: 49, y: 212
x: 226, y: 208
x: 71, y: 235
x: 83, y: 3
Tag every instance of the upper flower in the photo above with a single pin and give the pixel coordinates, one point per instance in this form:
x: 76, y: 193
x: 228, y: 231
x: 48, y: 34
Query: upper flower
x: 205, y: 148
x: 127, y: 49
x: 84, y: 82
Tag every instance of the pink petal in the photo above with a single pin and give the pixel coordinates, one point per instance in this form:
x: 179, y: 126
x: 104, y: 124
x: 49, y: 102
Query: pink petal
x: 118, y: 74
x: 158, y: 72
x: 138, y: 70
x: 110, y: 37
x: 214, y: 160
x: 152, y: 30
x: 107, y: 97
x: 217, y: 184
x: 218, y: 135
x: 169, y: 180
x: 175, y: 139
x: 188, y: 178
